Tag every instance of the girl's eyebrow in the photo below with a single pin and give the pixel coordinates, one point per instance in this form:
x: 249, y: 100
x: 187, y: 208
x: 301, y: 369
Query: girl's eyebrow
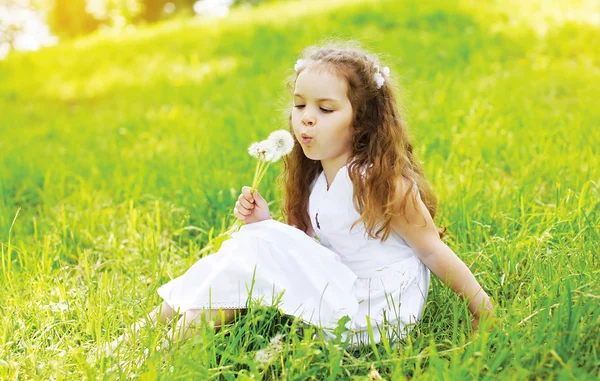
x: 318, y: 99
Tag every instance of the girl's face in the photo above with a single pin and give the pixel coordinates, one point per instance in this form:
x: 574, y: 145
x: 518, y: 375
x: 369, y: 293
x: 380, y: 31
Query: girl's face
x: 322, y: 116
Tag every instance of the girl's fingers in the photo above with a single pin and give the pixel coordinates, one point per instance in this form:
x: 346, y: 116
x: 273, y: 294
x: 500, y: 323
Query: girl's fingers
x: 240, y: 208
x: 238, y: 215
x: 245, y: 203
x: 244, y: 210
x: 246, y: 194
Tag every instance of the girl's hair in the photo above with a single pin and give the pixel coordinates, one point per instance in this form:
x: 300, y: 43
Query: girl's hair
x: 380, y: 142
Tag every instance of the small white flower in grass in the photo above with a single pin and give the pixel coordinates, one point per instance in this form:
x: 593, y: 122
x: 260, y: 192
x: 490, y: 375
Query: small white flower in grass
x: 283, y: 141
x: 374, y: 375
x: 266, y: 355
x: 58, y: 307
x: 263, y: 357
x: 277, y: 340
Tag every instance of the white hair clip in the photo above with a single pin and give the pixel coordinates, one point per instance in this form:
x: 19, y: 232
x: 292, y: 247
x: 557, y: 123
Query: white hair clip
x: 299, y: 63
x: 379, y: 79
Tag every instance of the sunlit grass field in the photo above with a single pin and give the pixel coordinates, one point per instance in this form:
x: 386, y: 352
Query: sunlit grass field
x: 121, y: 159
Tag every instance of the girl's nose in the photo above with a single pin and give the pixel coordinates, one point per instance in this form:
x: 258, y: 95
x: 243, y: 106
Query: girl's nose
x: 307, y: 119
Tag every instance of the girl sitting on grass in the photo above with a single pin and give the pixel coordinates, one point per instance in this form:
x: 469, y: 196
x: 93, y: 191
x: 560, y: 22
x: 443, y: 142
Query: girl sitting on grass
x: 351, y: 181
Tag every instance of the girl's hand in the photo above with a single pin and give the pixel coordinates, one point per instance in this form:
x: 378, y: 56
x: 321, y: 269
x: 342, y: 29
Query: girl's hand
x: 490, y: 319
x: 251, y: 208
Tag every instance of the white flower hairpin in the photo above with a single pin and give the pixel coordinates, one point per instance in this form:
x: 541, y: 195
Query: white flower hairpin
x: 299, y: 63
x: 379, y: 79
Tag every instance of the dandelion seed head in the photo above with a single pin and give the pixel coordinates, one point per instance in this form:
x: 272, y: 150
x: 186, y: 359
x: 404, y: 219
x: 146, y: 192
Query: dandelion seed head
x: 267, y: 150
x: 264, y: 150
x: 283, y: 140
x: 253, y: 149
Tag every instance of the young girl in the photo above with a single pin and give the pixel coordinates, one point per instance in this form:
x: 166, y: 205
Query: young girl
x: 352, y: 182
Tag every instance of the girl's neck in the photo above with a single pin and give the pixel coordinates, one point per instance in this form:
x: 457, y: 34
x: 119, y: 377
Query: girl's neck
x: 332, y: 166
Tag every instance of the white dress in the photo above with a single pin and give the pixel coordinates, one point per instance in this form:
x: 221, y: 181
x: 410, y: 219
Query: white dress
x: 346, y: 273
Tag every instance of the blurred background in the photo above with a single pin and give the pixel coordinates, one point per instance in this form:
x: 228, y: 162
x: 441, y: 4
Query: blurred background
x: 30, y: 24
x: 124, y: 128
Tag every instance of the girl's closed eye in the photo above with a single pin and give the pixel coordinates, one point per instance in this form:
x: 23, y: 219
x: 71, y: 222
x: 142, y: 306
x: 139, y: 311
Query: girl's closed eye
x: 322, y: 109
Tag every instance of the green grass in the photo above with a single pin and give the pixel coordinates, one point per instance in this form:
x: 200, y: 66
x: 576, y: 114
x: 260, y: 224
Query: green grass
x: 121, y: 158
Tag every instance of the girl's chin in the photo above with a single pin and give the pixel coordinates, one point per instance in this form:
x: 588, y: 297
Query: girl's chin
x: 309, y: 154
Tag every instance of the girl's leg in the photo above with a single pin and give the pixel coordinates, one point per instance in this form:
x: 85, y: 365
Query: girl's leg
x: 163, y: 313
x: 189, y: 323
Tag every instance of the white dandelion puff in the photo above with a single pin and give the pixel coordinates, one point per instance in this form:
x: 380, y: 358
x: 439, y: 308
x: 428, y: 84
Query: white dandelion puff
x: 283, y: 141
x: 267, y: 150
x: 264, y: 150
x: 253, y: 149
x: 279, y: 143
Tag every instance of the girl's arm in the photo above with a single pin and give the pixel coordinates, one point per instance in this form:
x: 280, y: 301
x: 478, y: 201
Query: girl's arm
x: 420, y: 233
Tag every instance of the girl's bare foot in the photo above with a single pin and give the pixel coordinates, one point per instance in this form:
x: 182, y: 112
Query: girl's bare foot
x: 163, y: 313
x: 189, y: 323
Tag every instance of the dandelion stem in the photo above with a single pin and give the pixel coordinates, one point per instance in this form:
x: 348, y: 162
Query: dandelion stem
x: 259, y: 172
x: 261, y: 175
x: 255, y: 181
x: 256, y: 172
